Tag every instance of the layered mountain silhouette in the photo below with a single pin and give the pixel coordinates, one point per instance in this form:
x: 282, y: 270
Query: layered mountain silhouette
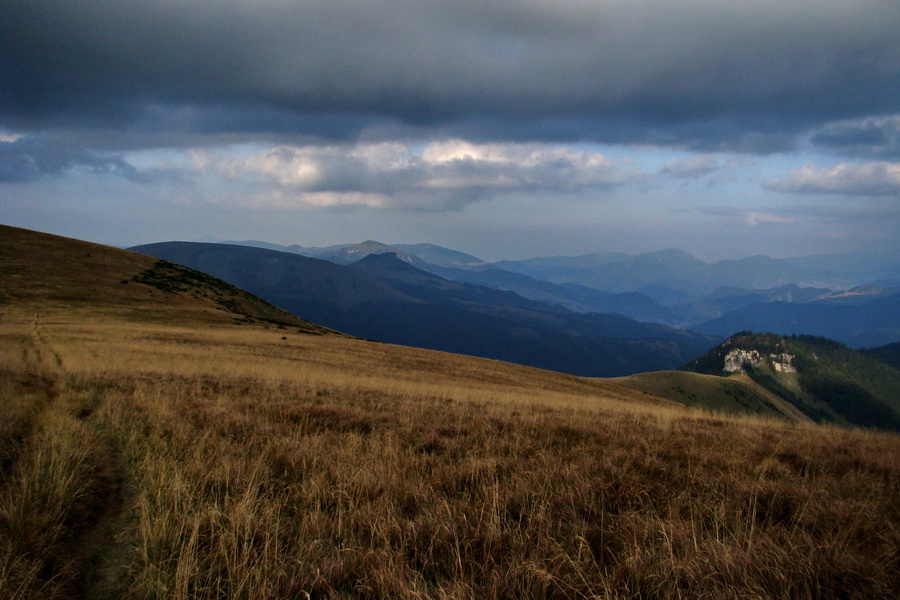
x: 807, y: 295
x: 384, y: 298
x: 666, y: 274
x: 865, y: 324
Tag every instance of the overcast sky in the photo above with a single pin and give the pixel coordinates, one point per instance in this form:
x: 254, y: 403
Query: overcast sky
x: 507, y: 128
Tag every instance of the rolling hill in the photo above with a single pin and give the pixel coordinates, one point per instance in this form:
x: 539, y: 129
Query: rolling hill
x: 736, y: 395
x: 888, y: 354
x: 58, y: 271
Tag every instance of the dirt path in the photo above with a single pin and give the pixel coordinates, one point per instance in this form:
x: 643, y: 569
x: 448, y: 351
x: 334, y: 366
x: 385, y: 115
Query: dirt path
x: 45, y: 354
x: 92, y: 543
x: 94, y: 534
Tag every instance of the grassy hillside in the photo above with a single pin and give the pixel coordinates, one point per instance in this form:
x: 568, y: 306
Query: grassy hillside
x: 824, y: 379
x: 56, y: 272
x: 738, y: 395
x: 204, y: 456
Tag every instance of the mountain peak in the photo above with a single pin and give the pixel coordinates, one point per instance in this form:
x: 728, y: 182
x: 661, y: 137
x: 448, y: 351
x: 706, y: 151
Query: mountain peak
x: 389, y: 264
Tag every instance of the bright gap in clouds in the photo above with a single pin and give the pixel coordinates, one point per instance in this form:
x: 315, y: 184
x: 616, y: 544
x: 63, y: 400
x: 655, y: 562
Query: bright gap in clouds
x: 440, y: 175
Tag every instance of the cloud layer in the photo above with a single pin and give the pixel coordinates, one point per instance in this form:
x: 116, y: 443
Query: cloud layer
x: 28, y: 158
x: 877, y: 136
x: 866, y: 179
x: 698, y: 72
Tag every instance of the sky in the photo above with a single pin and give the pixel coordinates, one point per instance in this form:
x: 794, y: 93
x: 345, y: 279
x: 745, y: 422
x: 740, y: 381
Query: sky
x: 506, y: 129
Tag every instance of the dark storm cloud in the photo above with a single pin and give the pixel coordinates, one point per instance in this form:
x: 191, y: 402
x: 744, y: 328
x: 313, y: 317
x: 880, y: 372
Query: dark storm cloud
x: 691, y: 167
x: 871, y: 136
x: 698, y: 73
x: 29, y: 158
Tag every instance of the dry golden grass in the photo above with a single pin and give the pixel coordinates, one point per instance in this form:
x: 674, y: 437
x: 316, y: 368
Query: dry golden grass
x: 166, y: 461
x: 736, y: 395
x: 152, y: 448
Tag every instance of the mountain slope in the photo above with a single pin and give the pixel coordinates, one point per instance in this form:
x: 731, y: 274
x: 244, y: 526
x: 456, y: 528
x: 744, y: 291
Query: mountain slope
x: 616, y: 272
x: 283, y: 278
x: 53, y: 270
x: 758, y: 271
x: 432, y: 288
x: 854, y: 268
x: 888, y: 354
x: 723, y: 300
x: 822, y: 378
x: 442, y: 257
x: 346, y: 254
x: 572, y: 296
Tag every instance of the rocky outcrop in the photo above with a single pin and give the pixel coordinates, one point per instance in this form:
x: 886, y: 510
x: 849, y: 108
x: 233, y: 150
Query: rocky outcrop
x: 737, y: 360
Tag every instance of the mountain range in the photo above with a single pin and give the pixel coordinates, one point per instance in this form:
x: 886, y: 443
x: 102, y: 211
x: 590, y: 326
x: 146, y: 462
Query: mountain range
x: 665, y: 273
x: 164, y: 430
x: 848, y: 297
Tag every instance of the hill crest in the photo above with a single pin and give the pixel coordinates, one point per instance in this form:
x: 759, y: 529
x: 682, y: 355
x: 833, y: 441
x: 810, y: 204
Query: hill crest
x: 46, y: 269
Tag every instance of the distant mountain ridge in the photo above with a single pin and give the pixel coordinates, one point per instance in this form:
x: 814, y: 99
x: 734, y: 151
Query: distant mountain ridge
x: 342, y: 254
x: 616, y: 272
x: 860, y: 325
x: 680, y: 271
x: 674, y: 288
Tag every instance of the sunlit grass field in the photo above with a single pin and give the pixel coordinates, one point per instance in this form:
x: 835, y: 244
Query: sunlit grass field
x: 143, y: 460
x: 153, y: 447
